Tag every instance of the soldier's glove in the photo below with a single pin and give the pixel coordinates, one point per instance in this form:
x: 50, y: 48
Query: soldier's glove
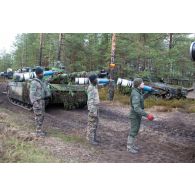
x: 150, y: 117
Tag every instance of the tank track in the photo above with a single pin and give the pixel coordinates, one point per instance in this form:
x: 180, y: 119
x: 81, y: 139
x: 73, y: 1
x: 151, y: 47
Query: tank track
x: 20, y: 104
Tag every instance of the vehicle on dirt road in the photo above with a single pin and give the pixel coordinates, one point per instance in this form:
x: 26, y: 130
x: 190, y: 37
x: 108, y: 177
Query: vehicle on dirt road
x: 71, y: 95
x: 160, y: 89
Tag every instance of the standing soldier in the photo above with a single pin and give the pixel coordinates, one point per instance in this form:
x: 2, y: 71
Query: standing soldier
x: 93, y: 114
x: 137, y: 111
x: 38, y: 93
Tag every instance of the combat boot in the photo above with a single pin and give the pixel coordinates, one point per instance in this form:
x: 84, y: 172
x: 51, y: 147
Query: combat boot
x: 45, y: 132
x: 94, y: 142
x: 131, y: 141
x: 96, y: 139
x: 135, y: 146
x: 40, y: 133
x: 92, y: 139
x: 130, y: 145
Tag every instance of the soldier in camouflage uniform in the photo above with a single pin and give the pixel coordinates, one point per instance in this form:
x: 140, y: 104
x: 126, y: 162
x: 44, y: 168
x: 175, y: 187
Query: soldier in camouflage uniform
x: 136, y: 113
x: 93, y: 114
x: 38, y: 92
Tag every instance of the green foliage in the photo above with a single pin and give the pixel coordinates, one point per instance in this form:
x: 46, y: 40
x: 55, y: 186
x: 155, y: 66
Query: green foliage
x: 137, y: 54
x: 6, y: 61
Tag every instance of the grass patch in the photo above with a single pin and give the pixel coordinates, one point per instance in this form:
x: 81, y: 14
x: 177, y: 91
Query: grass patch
x: 190, y: 108
x: 2, y: 80
x: 166, y: 103
x: 187, y: 105
x: 103, y: 93
x: 174, y: 103
x: 66, y: 138
x: 15, y: 150
x: 18, y: 120
x: 118, y: 98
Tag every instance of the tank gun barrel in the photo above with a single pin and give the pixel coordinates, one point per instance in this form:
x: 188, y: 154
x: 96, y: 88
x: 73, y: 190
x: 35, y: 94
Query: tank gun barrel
x: 85, y: 81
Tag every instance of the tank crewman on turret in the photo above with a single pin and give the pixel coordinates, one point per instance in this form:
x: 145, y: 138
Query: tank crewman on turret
x: 93, y: 114
x: 38, y: 92
x: 136, y: 113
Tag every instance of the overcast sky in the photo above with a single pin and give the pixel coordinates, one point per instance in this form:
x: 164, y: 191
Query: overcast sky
x: 6, y: 41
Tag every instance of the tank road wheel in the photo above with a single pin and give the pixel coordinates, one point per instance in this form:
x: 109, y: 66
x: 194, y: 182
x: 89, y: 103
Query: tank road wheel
x: 168, y: 96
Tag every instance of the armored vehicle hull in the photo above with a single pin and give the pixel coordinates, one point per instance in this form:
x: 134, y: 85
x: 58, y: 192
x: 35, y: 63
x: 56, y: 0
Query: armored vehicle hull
x: 18, y: 94
x: 70, y: 95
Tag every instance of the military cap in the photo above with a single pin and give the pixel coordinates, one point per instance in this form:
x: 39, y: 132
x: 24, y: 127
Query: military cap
x: 92, y: 77
x: 137, y: 82
x: 39, y: 70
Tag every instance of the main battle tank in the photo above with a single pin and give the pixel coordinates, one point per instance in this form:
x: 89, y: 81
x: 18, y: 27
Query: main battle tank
x: 169, y: 92
x: 63, y: 90
x: 162, y: 90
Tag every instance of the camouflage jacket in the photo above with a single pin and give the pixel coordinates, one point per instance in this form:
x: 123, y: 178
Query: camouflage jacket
x: 39, y: 89
x: 137, y: 103
x: 93, y: 99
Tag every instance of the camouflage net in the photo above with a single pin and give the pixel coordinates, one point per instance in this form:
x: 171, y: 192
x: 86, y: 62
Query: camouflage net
x: 70, y: 101
x: 69, y: 78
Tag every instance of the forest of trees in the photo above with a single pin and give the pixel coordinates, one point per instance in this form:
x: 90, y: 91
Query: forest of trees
x: 143, y: 54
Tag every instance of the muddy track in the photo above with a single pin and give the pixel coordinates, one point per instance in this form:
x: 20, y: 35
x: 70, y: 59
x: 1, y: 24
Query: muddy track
x: 170, y: 138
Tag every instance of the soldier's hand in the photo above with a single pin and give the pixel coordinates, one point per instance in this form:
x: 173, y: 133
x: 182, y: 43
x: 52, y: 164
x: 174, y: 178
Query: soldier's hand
x: 150, y: 117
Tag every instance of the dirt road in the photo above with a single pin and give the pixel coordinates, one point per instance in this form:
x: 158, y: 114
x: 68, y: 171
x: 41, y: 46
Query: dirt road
x: 169, y: 138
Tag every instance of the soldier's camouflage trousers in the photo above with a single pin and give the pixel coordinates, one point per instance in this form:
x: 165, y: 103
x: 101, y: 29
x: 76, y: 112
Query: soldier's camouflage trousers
x: 92, y: 126
x: 39, y: 112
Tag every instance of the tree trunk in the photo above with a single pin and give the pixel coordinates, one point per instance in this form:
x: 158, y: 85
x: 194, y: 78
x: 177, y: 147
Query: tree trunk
x: 111, y: 83
x: 113, y: 48
x: 170, y: 40
x: 41, y: 49
x: 60, y: 46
